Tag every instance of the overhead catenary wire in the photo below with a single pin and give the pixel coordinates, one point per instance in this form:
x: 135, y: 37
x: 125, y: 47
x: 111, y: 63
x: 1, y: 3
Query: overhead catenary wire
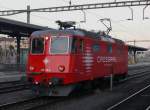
x: 79, y: 7
x: 122, y: 27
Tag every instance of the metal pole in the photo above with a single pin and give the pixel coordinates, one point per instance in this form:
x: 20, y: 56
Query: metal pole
x: 18, y: 50
x: 84, y: 21
x: 134, y: 42
x: 144, y: 11
x: 131, y: 14
x: 5, y: 51
x: 134, y: 52
x: 28, y: 14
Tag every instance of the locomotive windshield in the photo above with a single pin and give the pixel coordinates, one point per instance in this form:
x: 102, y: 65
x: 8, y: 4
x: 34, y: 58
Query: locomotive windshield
x: 59, y: 45
x: 37, y: 45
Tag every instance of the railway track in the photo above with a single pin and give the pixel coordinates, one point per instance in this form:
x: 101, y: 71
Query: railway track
x: 14, y: 88
x: 7, y: 87
x: 133, y: 101
x: 140, y: 73
x: 148, y: 108
x: 136, y: 75
x: 137, y: 70
x: 136, y: 100
x: 36, y: 102
x: 48, y: 103
x: 32, y: 103
x: 12, y: 105
x: 138, y: 67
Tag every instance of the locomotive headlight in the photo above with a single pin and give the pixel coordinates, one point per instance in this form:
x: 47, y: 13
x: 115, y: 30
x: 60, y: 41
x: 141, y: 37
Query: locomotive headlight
x: 45, y: 61
x: 61, y: 68
x: 48, y: 70
x: 31, y: 68
x: 50, y: 83
x: 46, y: 38
x: 36, y: 82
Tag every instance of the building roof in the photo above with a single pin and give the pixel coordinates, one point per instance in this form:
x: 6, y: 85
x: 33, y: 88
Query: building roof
x: 17, y: 28
x: 136, y: 48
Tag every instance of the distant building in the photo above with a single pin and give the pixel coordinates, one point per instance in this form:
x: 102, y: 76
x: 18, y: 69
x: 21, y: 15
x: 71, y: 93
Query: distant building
x: 8, y: 49
x: 141, y: 56
x: 5, y: 43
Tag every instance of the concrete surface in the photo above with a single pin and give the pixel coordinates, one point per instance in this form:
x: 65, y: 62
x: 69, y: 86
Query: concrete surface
x: 11, y: 76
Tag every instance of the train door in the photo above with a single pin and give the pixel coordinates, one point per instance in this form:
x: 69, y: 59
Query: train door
x: 96, y: 50
x: 77, y: 50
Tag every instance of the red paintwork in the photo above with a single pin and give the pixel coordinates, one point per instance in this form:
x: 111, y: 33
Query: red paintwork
x: 75, y: 69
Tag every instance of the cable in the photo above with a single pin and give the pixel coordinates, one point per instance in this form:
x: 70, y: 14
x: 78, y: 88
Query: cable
x: 116, y: 21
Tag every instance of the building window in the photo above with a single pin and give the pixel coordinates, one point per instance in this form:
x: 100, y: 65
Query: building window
x: 37, y: 45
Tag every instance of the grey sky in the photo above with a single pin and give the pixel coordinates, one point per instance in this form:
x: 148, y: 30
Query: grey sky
x: 122, y: 28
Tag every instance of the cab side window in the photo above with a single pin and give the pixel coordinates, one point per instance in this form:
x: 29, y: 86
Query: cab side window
x: 74, y: 45
x: 77, y: 45
x: 109, y: 48
x: 80, y: 45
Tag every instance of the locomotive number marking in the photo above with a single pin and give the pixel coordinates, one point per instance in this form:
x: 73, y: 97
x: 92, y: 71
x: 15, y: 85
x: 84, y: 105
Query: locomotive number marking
x: 106, y: 59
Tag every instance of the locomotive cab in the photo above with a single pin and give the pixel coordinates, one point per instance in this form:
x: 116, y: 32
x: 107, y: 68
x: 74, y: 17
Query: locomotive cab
x: 51, y: 60
x: 48, y: 55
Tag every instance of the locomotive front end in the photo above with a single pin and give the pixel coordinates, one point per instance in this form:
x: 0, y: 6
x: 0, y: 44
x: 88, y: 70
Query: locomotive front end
x: 48, y: 63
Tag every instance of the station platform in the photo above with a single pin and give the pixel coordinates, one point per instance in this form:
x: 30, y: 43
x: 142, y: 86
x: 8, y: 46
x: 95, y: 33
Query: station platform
x: 139, y: 64
x: 8, y: 76
x: 132, y: 66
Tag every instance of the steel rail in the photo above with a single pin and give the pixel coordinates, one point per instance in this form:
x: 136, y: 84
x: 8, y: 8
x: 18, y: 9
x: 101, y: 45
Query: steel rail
x: 7, y: 89
x: 19, y: 86
x: 48, y: 103
x: 34, y: 108
x: 136, y: 75
x: 129, y: 97
x: 148, y: 108
x: 22, y: 101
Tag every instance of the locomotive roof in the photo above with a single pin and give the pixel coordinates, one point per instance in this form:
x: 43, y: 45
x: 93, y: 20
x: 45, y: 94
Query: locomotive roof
x: 77, y: 32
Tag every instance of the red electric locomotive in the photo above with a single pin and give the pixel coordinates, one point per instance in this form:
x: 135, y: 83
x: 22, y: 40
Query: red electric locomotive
x: 61, y: 60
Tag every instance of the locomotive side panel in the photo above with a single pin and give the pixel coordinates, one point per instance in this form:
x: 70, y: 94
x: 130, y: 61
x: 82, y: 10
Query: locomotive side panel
x: 80, y: 61
x: 100, y: 68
